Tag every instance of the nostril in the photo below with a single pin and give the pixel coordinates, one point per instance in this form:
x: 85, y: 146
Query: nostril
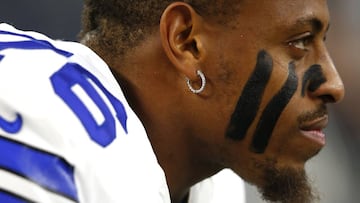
x: 327, y: 98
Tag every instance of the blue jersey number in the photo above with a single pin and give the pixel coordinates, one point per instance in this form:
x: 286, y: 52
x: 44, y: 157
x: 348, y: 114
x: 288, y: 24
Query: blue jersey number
x: 63, y: 80
x: 73, y: 74
x: 11, y: 126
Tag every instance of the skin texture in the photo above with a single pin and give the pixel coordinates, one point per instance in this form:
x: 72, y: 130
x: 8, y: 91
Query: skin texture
x: 313, y: 79
x: 273, y: 111
x: 196, y: 135
x: 250, y: 98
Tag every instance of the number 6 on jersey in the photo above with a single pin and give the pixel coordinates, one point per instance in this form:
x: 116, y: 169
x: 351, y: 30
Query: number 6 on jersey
x: 73, y: 74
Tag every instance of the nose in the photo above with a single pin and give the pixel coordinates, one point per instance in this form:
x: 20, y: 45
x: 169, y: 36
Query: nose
x: 331, y: 89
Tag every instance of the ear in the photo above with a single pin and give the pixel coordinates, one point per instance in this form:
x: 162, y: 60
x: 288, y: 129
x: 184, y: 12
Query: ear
x: 180, y: 28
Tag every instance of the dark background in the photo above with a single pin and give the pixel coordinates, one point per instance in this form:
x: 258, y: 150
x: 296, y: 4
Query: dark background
x: 336, y: 170
x: 57, y: 18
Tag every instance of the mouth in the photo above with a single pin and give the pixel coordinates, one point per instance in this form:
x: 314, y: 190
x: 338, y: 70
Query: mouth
x: 314, y: 129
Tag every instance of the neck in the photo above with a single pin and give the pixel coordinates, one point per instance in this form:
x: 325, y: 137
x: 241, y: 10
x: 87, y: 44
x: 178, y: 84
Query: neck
x: 152, y: 89
x: 166, y: 122
x: 177, y: 153
x: 179, y: 160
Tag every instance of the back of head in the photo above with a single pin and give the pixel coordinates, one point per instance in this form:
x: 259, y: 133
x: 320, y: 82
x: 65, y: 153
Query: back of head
x: 118, y: 25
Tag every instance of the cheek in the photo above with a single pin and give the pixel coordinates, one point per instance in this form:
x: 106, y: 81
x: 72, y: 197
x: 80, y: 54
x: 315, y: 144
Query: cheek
x: 247, y: 107
x: 283, y: 133
x: 273, y: 111
x: 248, y: 104
x: 286, y: 144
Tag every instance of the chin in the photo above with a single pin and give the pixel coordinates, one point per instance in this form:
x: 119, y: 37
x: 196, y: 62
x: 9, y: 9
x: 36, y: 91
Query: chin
x: 286, y: 184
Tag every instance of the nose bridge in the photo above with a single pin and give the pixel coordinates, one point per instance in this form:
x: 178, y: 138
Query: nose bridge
x: 333, y: 86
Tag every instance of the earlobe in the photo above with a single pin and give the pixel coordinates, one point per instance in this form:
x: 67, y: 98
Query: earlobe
x: 179, y: 37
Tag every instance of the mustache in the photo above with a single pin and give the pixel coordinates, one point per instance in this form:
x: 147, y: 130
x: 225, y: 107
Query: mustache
x: 312, y: 115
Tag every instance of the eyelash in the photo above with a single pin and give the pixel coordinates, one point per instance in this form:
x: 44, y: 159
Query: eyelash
x: 302, y: 41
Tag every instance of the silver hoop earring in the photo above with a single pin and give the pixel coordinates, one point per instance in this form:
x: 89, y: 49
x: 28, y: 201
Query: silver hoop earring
x: 203, y: 83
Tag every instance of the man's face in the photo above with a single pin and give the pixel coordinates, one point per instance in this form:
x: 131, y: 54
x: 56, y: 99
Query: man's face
x: 273, y: 77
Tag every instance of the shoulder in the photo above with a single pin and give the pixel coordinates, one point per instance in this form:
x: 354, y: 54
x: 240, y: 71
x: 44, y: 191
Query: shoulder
x: 225, y: 186
x: 58, y: 81
x: 24, y: 43
x: 60, y: 100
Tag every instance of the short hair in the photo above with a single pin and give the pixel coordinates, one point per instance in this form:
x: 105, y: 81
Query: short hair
x: 119, y: 25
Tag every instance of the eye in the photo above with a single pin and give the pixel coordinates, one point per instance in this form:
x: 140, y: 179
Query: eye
x: 302, y: 41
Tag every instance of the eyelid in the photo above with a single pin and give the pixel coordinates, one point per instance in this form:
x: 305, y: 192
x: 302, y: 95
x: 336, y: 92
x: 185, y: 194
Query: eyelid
x: 304, y: 38
x: 300, y: 36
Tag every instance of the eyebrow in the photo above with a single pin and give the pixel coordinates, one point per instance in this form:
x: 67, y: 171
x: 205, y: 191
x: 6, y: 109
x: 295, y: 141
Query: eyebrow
x: 316, y: 24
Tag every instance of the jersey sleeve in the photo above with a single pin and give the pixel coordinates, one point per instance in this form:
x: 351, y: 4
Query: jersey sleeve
x: 32, y: 168
x: 67, y: 133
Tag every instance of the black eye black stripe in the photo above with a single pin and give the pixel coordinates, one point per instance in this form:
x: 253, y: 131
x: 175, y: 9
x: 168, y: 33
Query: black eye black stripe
x: 273, y: 111
x: 249, y: 102
x: 250, y: 99
x: 313, y: 79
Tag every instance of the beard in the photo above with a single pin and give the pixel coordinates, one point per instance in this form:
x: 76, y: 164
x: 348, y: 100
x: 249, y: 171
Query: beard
x: 287, y: 185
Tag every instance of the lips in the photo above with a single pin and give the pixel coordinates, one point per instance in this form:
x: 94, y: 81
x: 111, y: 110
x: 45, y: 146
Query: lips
x: 314, y: 129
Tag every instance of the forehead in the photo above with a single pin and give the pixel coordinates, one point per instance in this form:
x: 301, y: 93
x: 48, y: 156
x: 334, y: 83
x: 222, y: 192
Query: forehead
x: 283, y: 12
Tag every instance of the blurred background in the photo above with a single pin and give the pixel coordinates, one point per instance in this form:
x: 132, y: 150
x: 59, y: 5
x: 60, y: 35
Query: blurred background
x: 336, y: 170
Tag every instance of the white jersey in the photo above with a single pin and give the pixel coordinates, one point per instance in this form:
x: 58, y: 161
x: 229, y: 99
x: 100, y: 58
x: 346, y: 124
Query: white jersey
x: 67, y: 133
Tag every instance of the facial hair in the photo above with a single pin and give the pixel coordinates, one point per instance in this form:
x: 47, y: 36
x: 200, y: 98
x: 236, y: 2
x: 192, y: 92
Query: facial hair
x: 287, y: 185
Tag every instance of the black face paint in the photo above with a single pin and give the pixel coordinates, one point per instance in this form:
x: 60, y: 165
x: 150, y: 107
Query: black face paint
x: 273, y: 111
x: 313, y: 79
x: 249, y: 101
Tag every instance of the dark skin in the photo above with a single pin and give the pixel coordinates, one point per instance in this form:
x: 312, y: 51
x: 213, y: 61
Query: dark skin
x: 189, y: 132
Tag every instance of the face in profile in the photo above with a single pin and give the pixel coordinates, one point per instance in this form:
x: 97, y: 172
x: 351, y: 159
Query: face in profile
x: 278, y: 78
